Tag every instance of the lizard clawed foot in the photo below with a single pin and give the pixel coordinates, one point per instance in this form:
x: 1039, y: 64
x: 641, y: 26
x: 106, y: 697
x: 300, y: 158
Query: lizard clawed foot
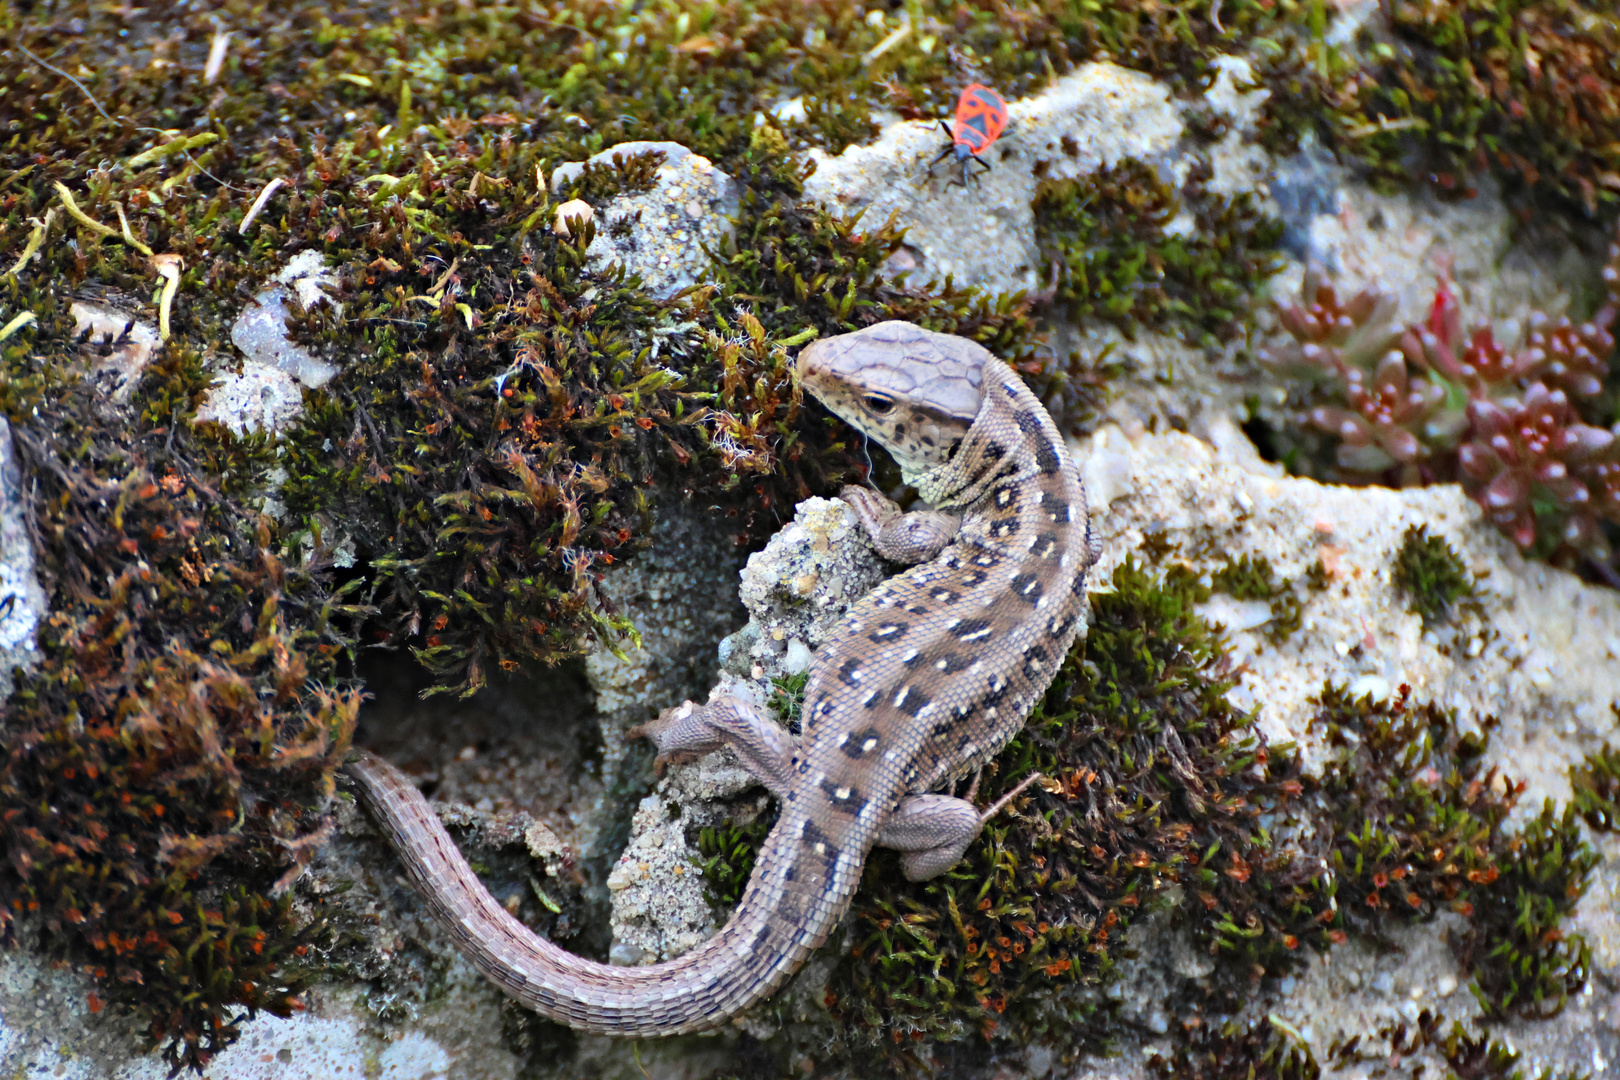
x: 997, y: 806
x: 907, y: 538
x: 667, y: 733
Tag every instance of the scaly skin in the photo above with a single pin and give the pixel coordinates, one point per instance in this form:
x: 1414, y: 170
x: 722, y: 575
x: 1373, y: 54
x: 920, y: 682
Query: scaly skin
x: 928, y: 677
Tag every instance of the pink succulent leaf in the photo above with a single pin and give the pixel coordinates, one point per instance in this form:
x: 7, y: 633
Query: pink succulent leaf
x: 1488, y: 419
x: 1583, y: 442
x: 1506, y: 491
x: 1296, y: 322
x: 1538, y: 398
x: 1446, y: 426
x: 1522, y: 530
x: 1411, y: 346
x: 1477, y: 462
x: 1401, y: 444
x: 1551, y: 473
x: 1569, y: 493
x: 1364, y: 304
x: 1345, y: 424
x: 1390, y: 378
x: 1579, y: 530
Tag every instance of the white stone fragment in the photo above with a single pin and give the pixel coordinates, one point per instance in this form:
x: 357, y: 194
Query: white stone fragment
x: 984, y: 234
x: 117, y: 343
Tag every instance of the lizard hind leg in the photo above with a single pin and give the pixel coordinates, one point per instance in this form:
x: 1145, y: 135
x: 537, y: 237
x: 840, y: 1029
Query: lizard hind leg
x: 691, y: 730
x: 931, y: 832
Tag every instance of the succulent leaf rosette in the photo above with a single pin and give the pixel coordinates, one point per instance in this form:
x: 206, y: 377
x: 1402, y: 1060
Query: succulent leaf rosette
x: 1435, y: 401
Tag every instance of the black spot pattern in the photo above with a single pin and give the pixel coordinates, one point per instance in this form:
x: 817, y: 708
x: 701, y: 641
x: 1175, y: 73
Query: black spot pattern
x: 855, y: 746
x: 1002, y: 529
x: 1045, y: 544
x: 944, y: 596
x: 951, y: 663
x: 1057, y: 510
x: 1046, y: 456
x: 814, y: 837
x: 910, y: 700
x: 850, y: 802
x: 849, y: 672
x: 1034, y: 662
x: 998, y: 691
x: 972, y: 630
x: 1027, y: 587
x: 888, y: 632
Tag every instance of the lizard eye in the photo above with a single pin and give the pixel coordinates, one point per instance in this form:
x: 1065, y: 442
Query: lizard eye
x: 878, y: 404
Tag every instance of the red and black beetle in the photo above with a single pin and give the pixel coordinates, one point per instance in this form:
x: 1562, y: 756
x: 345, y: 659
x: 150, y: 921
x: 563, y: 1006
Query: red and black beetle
x: 981, y: 115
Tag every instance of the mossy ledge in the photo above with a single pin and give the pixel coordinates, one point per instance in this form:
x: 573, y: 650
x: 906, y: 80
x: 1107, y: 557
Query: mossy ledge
x: 1159, y: 797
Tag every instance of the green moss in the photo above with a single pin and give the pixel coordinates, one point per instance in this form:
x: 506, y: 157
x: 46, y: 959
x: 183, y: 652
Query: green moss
x: 168, y: 765
x: 1596, y: 784
x: 1467, y: 1055
x: 787, y: 698
x: 1252, y: 578
x: 1234, y: 1051
x: 1523, y: 88
x: 728, y: 852
x: 1430, y: 573
x: 1420, y: 826
x: 1526, y: 964
x: 1107, y: 239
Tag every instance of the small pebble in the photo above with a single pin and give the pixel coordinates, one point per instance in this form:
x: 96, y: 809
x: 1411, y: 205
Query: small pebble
x: 573, y: 208
x: 1375, y: 685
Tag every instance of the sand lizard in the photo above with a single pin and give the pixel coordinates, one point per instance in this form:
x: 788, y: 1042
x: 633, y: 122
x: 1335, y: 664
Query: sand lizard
x: 924, y: 680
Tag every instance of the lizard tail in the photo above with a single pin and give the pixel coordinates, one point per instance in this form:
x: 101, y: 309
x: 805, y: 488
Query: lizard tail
x: 746, y: 961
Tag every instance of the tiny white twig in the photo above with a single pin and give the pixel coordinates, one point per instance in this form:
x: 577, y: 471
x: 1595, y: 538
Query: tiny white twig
x: 216, y: 56
x: 258, y: 204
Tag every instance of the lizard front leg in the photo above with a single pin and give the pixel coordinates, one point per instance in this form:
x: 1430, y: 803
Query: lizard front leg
x: 933, y: 831
x: 690, y: 730
x: 900, y: 537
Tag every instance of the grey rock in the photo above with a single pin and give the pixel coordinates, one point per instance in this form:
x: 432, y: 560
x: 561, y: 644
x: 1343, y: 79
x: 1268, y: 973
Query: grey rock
x: 662, y: 235
x: 22, y: 601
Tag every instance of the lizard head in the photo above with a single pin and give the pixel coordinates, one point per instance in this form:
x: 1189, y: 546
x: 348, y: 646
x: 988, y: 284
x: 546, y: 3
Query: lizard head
x: 914, y: 391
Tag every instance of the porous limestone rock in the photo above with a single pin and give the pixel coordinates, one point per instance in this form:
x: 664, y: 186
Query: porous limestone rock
x: 1537, y: 648
x: 983, y: 234
x: 663, y: 235
x: 22, y: 601
x: 265, y: 391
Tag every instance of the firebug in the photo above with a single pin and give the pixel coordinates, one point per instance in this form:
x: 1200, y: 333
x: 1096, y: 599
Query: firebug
x: 981, y: 116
